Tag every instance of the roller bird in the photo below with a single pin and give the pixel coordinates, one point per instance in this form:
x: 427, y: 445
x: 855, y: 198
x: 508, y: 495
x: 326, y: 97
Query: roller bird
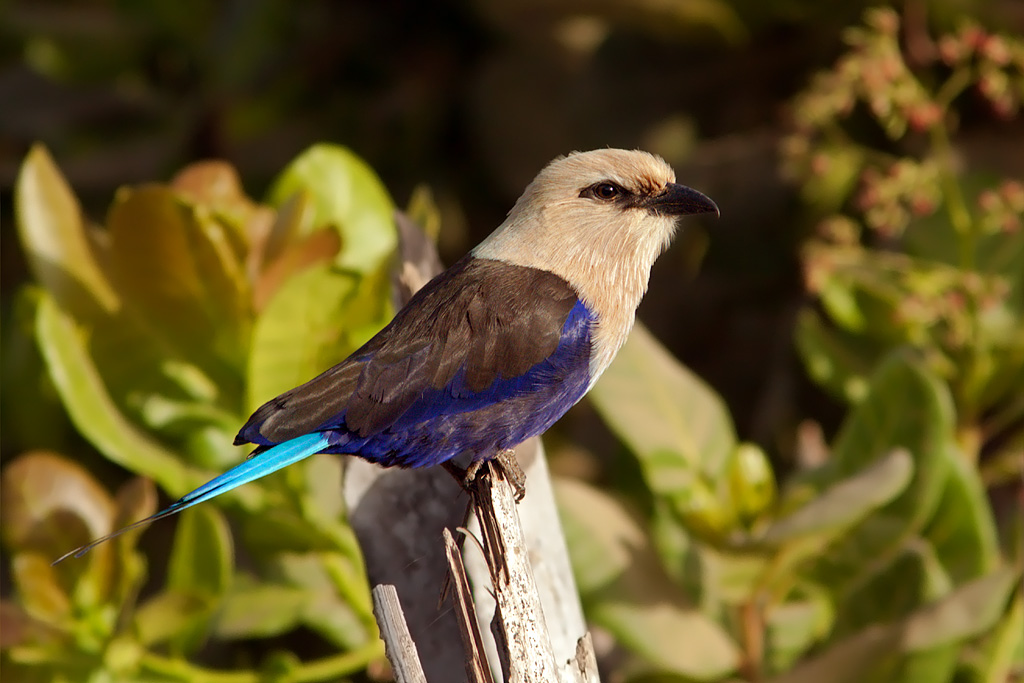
x: 498, y: 347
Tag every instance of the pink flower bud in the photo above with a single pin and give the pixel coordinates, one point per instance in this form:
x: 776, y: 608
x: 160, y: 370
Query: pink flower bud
x: 988, y: 201
x: 996, y: 50
x: 924, y: 116
x: 949, y: 50
x: 1013, y: 192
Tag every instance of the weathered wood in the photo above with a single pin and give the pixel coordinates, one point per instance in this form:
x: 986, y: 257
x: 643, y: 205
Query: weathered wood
x: 519, y: 609
x: 465, y: 611
x: 549, y: 560
x: 398, y: 642
x: 584, y: 665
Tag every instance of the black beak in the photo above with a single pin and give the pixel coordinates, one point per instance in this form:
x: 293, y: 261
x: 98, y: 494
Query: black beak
x: 680, y: 200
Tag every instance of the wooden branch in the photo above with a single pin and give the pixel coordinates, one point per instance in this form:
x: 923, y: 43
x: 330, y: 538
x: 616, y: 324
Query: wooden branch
x: 521, y: 616
x: 472, y: 642
x: 529, y: 645
x: 398, y: 642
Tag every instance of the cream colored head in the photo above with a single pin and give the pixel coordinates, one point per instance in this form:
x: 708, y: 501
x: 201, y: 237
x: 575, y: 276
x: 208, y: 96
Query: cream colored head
x: 598, y: 220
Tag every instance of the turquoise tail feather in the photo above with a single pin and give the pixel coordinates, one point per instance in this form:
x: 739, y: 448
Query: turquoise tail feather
x: 256, y: 467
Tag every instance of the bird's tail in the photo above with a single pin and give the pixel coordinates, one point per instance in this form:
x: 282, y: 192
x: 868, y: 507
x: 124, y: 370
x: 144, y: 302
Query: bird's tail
x: 260, y: 465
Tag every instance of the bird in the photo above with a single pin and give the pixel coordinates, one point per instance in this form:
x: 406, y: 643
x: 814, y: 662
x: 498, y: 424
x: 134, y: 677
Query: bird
x: 496, y: 348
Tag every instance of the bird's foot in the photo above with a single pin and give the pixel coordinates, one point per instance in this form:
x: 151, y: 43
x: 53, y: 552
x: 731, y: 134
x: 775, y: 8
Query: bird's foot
x: 505, y: 459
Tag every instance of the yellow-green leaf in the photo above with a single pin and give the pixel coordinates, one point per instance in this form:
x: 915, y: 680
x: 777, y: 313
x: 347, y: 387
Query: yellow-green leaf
x: 316, y: 319
x: 90, y: 407
x: 175, y: 265
x: 626, y: 591
x: 657, y: 406
x: 53, y: 235
x: 348, y: 195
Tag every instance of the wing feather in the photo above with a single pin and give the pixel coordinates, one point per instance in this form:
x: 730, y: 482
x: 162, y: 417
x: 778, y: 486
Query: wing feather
x: 481, y: 320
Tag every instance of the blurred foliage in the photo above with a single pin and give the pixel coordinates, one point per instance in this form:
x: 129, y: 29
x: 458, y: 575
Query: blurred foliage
x: 161, y: 333
x: 915, y: 248
x: 888, y: 551
x: 881, y: 563
x: 879, y: 558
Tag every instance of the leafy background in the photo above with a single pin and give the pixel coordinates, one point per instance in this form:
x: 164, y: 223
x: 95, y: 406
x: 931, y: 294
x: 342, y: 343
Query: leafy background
x: 815, y: 474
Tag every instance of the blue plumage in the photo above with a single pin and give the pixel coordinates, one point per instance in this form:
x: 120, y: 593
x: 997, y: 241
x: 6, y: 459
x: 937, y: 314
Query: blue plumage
x: 455, y: 419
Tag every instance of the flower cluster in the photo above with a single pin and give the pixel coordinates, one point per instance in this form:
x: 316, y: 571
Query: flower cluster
x: 834, y: 149
x: 875, y: 73
x: 997, y: 62
x: 1002, y: 209
x: 907, y: 189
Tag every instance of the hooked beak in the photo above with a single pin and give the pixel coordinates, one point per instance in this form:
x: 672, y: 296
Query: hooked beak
x: 680, y: 200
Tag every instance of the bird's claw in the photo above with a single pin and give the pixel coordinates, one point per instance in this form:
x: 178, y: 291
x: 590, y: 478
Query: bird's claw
x: 505, y: 459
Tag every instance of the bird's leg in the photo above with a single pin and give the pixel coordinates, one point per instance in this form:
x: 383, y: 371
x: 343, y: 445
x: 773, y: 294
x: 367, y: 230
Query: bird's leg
x: 505, y: 459
x: 460, y: 475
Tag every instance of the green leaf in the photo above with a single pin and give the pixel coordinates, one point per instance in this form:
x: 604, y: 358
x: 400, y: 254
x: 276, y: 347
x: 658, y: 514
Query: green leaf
x: 840, y: 300
x: 261, y: 610
x: 136, y: 499
x: 969, y: 610
x: 794, y: 626
x: 169, y: 616
x: 200, y: 567
x: 202, y: 556
x: 315, y: 320
x: 337, y: 621
x: 1003, y: 651
x: 347, y: 195
x: 53, y: 235
x: 90, y: 407
x: 680, y: 554
x: 626, y: 591
x: 906, y: 407
x: 964, y: 613
x: 829, y: 190
x: 321, y: 488
x: 963, y: 530
x: 319, y: 247
x: 835, y: 359
x: 340, y: 608
x: 280, y: 529
x: 50, y: 505
x: 424, y: 212
x: 658, y: 407
x: 751, y: 481
x: 917, y: 571
x: 847, y: 501
x: 707, y: 510
x: 177, y: 268
x: 39, y: 590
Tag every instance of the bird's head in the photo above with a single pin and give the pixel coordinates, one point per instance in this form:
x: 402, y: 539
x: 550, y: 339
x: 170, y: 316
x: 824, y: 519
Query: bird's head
x: 598, y: 219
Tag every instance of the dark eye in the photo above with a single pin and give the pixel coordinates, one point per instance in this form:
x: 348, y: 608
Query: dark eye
x: 605, y: 191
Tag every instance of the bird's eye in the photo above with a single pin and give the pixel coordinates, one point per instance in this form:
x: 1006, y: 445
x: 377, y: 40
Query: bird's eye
x: 605, y: 191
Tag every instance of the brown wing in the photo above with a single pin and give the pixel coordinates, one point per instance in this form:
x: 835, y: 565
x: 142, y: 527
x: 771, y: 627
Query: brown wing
x: 490, y: 318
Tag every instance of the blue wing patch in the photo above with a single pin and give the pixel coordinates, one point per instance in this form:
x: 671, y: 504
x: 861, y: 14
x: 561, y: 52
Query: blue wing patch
x: 444, y: 422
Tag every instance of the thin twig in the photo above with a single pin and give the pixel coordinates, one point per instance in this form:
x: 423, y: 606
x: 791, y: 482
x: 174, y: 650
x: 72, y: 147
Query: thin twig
x: 476, y: 659
x: 399, y: 645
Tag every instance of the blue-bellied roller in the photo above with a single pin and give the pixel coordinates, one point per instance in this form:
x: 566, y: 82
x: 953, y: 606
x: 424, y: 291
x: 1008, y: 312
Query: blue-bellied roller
x: 495, y: 349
